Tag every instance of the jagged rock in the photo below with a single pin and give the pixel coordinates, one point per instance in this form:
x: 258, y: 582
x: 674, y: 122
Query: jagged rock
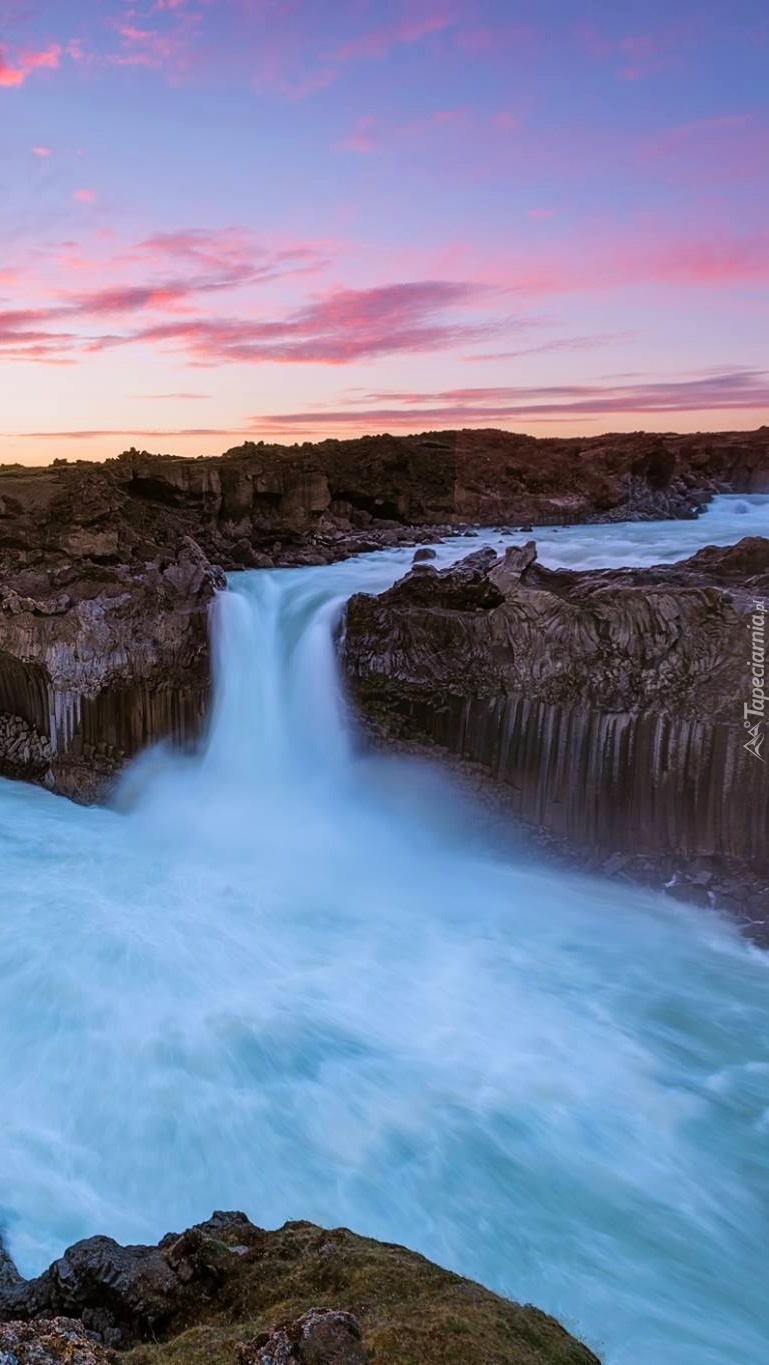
x: 608, y: 703
x: 228, y: 1293
x: 90, y: 676
x: 320, y: 1337
x: 56, y: 1341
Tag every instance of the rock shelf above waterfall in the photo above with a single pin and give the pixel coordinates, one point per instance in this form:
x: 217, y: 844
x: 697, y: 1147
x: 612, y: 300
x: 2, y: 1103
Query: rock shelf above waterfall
x: 607, y: 704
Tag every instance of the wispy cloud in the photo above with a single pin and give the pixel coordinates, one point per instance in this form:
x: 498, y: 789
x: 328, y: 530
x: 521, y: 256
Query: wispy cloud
x: 595, y: 342
x: 179, y: 270
x: 729, y: 392
x: 181, y: 397
x: 344, y: 325
x: 15, y: 71
x: 380, y: 42
x: 732, y: 391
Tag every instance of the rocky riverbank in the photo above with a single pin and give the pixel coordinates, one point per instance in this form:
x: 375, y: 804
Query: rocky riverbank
x: 264, y: 504
x: 607, y: 705
x: 229, y: 1293
x: 107, y: 571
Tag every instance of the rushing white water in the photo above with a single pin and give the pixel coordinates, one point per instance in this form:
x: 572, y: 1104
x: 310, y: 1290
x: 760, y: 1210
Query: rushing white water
x: 298, y: 980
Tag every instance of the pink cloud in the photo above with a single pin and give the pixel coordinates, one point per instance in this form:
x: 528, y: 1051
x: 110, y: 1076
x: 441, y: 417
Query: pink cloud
x: 731, y: 391
x: 41, y: 151
x: 15, y: 75
x: 362, y: 138
x: 380, y: 42
x: 634, y: 55
x: 728, y: 147
x: 498, y: 40
x: 746, y: 391
x: 609, y: 258
x: 164, y: 37
x: 183, y: 270
x: 85, y: 196
x: 371, y: 134
x: 345, y: 326
x: 539, y: 213
x: 580, y: 343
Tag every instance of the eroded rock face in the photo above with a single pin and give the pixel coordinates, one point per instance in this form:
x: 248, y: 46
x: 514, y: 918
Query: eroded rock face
x: 228, y: 1293
x: 103, y: 634
x: 609, y: 703
x: 332, y: 497
x: 106, y: 571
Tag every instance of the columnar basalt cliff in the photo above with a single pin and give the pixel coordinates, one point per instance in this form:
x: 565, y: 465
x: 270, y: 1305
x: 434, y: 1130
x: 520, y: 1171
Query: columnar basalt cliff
x: 228, y: 1293
x: 608, y: 703
x: 103, y: 633
x: 107, y: 570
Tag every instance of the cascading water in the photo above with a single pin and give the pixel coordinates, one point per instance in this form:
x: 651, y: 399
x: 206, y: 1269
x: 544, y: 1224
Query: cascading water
x: 296, y: 979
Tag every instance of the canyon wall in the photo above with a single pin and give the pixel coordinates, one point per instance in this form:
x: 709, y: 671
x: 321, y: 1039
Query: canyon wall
x: 103, y: 632
x: 608, y: 703
x: 107, y: 570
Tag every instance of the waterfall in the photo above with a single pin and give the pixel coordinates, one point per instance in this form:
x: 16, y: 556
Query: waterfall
x: 290, y: 976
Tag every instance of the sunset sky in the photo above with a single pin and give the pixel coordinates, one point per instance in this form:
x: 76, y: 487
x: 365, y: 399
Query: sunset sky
x: 285, y: 219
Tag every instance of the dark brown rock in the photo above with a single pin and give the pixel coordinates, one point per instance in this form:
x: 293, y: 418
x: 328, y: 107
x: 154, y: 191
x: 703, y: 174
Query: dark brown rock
x: 608, y: 703
x: 321, y: 1337
x: 91, y: 675
x: 106, y: 571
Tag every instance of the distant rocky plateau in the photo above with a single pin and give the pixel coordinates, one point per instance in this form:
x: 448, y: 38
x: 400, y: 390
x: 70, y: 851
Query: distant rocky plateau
x: 606, y: 707
x: 228, y: 1293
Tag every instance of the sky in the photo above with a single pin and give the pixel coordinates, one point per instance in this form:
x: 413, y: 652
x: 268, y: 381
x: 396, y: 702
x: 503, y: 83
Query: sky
x: 289, y: 219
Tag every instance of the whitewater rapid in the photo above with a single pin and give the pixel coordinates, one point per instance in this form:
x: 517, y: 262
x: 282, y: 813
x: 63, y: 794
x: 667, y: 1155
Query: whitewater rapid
x: 292, y: 978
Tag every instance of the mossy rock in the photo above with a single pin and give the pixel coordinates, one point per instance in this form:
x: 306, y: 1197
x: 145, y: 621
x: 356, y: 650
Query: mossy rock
x: 410, y: 1312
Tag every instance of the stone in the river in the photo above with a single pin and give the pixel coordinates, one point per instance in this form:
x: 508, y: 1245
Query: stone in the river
x: 228, y: 1293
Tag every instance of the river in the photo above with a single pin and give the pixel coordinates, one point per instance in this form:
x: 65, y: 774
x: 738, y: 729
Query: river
x: 287, y: 976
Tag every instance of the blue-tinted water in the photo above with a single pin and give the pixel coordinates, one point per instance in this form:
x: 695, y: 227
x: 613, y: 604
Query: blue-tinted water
x: 294, y: 979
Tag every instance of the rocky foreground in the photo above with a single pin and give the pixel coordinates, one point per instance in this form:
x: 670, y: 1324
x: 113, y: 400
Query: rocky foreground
x: 228, y: 1293
x: 107, y: 571
x: 608, y: 705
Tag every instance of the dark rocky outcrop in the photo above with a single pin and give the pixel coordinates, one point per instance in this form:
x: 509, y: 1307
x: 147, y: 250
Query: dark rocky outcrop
x: 228, y: 1293
x: 608, y: 704
x: 103, y: 632
x: 106, y: 570
x: 259, y: 504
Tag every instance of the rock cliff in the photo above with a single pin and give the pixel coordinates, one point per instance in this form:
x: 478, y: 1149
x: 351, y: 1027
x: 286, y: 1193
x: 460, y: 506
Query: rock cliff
x: 317, y: 502
x: 103, y: 632
x: 107, y: 570
x: 228, y: 1293
x: 608, y: 704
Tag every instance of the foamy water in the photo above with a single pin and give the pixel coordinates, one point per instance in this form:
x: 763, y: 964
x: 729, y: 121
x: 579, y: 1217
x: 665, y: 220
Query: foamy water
x: 290, y: 978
